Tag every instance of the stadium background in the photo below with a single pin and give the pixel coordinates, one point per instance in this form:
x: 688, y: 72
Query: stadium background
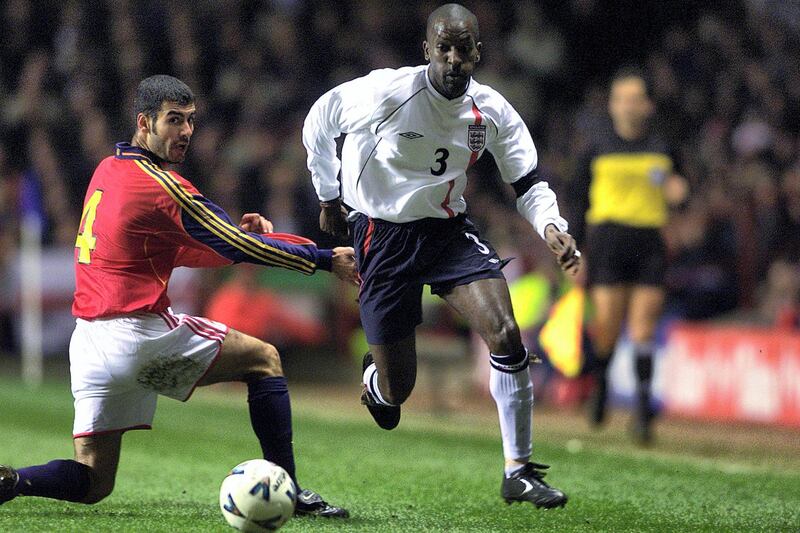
x: 725, y: 81
x: 728, y: 94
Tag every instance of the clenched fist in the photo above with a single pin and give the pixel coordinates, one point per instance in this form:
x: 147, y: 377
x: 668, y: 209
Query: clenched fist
x: 344, y: 264
x: 333, y: 218
x: 563, y: 246
x: 255, y: 223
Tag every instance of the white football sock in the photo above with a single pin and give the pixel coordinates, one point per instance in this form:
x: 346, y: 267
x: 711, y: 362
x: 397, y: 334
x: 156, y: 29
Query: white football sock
x: 370, y: 380
x: 511, y: 470
x: 513, y: 394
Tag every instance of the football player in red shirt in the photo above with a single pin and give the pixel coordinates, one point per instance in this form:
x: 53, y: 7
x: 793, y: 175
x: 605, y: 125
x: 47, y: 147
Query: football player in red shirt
x: 139, y: 222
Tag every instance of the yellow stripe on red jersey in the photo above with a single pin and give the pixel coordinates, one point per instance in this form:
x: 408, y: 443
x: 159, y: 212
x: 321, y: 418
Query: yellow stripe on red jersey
x: 249, y: 247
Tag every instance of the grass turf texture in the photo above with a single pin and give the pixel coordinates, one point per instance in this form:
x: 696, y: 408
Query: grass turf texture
x: 428, y: 475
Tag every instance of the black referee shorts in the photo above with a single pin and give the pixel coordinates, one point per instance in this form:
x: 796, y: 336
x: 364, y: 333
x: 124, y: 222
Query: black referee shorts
x: 625, y: 254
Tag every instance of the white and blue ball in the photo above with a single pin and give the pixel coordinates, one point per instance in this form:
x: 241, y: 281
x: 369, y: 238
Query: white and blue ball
x: 257, y: 495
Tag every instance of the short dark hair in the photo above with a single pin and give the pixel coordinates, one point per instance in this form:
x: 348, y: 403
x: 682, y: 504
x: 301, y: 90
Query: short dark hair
x: 632, y: 71
x: 155, y: 90
x: 453, y: 13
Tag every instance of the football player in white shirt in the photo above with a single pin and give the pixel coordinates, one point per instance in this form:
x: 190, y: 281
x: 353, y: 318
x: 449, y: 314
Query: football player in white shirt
x: 411, y: 135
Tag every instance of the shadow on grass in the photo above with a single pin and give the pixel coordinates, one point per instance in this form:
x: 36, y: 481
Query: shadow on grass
x: 356, y: 523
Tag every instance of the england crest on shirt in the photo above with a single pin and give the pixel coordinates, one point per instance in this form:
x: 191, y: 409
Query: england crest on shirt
x: 476, y: 137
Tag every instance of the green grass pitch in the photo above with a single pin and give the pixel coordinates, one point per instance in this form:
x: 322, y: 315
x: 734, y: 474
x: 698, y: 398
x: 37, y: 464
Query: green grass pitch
x: 428, y: 475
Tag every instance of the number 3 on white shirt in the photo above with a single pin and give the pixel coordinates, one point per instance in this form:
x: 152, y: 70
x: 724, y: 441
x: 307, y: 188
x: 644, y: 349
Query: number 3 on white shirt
x: 442, y: 155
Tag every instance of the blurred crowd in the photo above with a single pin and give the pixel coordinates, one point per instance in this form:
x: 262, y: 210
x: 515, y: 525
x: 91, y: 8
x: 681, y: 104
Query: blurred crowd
x: 725, y: 82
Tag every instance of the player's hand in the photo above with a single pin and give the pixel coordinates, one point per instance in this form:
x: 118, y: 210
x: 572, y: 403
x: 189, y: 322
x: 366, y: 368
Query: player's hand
x: 255, y: 223
x: 563, y: 246
x: 344, y: 264
x: 333, y: 218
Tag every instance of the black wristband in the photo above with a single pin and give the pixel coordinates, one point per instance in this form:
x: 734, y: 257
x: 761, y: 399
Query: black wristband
x: 524, y: 184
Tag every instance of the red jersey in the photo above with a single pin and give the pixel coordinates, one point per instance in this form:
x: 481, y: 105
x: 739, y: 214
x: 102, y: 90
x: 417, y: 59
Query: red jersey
x: 140, y: 221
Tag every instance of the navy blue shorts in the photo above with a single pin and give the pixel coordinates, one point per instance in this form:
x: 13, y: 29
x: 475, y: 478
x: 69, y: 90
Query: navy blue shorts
x: 396, y: 260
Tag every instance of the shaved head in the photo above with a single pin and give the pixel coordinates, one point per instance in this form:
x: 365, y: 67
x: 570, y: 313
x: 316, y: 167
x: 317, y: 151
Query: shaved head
x: 452, y: 15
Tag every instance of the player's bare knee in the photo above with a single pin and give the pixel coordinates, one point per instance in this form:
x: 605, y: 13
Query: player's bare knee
x: 267, y: 362
x: 505, y: 337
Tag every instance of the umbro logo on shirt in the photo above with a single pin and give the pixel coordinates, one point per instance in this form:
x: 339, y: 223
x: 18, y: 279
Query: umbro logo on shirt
x: 411, y: 135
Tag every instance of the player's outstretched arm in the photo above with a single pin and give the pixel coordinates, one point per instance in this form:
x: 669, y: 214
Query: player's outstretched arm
x: 563, y: 246
x: 205, y: 223
x: 207, y: 235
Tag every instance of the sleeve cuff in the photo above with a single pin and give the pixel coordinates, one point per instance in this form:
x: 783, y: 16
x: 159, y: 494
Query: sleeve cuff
x: 324, y: 259
x: 329, y: 197
x: 558, y: 222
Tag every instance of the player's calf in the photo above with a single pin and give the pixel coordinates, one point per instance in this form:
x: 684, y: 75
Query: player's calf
x: 599, y: 397
x: 393, y: 390
x: 66, y: 480
x: 511, y: 388
x: 642, y: 430
x: 271, y: 419
x: 392, y: 382
x: 385, y: 413
x: 99, y: 489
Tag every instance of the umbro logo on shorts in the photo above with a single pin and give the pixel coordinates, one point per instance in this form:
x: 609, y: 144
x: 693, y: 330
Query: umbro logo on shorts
x: 411, y: 135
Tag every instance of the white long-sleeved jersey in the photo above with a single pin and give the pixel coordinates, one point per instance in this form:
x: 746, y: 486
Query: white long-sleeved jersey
x: 408, y: 147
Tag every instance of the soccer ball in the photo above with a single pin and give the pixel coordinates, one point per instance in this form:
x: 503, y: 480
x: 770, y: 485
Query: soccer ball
x: 257, y: 495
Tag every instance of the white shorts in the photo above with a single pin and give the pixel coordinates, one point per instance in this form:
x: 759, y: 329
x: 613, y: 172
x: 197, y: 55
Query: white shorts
x: 119, y: 366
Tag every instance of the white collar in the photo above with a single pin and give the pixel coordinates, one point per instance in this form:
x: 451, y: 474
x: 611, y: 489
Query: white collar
x: 439, y: 96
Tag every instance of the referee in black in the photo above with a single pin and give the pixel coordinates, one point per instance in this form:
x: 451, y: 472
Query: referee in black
x: 622, y: 178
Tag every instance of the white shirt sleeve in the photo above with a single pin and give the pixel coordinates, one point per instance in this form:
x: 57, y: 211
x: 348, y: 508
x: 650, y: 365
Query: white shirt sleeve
x: 512, y: 147
x: 516, y: 157
x: 344, y: 109
x: 539, y: 207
